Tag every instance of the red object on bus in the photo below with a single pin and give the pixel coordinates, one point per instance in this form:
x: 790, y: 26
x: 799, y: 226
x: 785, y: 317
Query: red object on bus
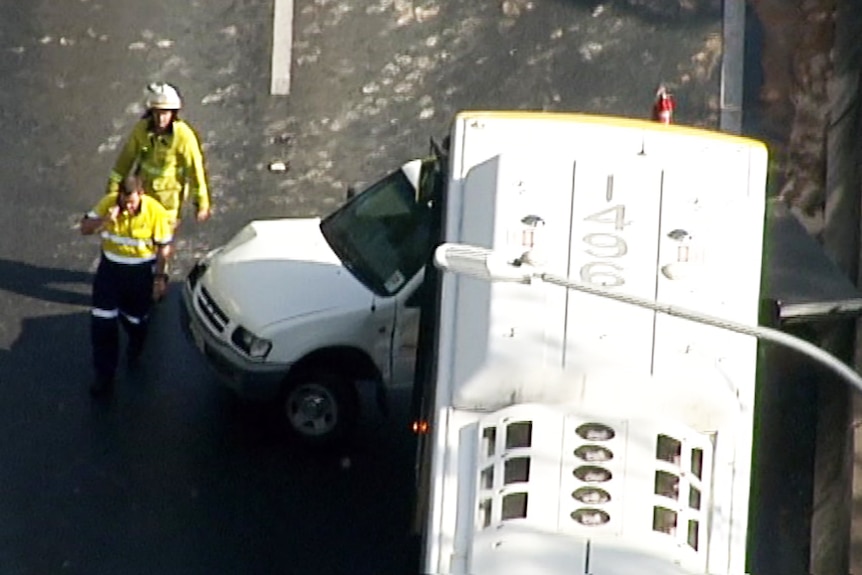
x: 662, y: 110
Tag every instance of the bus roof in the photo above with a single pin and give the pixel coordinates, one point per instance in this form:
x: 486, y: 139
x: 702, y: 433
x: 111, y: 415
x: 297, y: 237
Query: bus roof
x: 664, y: 213
x: 604, y: 120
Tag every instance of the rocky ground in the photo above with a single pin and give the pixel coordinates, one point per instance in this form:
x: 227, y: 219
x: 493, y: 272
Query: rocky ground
x: 809, y: 98
x: 798, y: 38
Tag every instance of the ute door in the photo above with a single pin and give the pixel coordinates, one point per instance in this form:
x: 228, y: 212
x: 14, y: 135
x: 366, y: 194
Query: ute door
x: 405, y: 334
x: 422, y: 238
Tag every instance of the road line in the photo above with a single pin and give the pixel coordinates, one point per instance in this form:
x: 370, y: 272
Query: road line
x: 282, y: 45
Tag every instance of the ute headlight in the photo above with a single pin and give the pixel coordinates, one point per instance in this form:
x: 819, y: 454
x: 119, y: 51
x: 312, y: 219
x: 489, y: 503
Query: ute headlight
x: 253, y: 346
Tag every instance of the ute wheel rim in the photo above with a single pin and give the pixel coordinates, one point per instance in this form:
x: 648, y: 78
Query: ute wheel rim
x: 311, y: 410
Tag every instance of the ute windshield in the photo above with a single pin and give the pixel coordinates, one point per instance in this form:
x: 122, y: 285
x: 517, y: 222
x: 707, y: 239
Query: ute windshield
x: 383, y: 235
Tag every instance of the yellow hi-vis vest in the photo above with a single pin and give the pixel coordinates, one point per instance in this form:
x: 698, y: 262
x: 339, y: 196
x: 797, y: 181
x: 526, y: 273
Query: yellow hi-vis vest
x: 133, y: 237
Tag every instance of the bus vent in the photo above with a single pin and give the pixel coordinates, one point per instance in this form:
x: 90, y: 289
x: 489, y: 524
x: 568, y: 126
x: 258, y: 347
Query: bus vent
x: 511, y: 459
x: 594, y: 457
x: 638, y: 490
x: 678, y: 487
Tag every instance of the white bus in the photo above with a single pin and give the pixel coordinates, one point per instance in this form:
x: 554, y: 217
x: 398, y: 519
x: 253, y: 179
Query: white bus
x: 562, y: 432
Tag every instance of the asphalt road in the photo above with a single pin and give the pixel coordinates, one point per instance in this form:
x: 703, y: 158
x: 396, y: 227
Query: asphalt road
x: 174, y: 476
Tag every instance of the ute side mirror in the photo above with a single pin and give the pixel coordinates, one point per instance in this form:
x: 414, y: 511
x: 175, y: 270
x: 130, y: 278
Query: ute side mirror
x: 351, y: 191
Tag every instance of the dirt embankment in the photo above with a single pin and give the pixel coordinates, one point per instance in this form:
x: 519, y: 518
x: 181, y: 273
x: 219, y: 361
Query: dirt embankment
x: 798, y: 37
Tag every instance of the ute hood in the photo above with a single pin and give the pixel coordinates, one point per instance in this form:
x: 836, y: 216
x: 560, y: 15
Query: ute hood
x: 277, y: 270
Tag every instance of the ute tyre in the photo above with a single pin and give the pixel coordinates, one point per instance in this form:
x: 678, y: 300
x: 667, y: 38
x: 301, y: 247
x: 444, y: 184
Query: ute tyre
x: 318, y: 407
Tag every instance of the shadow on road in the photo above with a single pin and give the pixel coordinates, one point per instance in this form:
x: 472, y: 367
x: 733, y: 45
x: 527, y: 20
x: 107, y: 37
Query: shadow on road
x: 172, y: 475
x: 55, y: 285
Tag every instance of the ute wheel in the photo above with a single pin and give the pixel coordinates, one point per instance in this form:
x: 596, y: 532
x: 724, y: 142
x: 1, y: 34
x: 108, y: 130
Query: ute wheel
x: 318, y: 407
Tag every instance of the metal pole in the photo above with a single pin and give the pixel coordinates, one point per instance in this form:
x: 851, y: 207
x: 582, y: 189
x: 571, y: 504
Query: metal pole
x: 491, y: 266
x: 759, y: 332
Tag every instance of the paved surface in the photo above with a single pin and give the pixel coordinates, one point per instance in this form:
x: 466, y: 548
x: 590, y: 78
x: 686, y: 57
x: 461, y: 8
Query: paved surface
x: 173, y: 476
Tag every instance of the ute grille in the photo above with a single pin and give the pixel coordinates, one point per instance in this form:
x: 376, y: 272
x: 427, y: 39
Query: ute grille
x: 214, y: 315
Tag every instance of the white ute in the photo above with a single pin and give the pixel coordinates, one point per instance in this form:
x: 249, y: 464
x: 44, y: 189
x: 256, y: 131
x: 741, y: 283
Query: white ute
x: 298, y: 311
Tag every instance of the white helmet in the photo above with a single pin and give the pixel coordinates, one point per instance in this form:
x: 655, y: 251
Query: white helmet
x: 163, y: 96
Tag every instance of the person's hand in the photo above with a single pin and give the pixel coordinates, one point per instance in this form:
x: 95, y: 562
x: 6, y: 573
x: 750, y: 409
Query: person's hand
x: 108, y: 220
x: 160, y: 287
x: 204, y: 214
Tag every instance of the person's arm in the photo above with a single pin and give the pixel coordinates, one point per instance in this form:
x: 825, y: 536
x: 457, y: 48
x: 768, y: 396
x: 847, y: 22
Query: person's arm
x: 160, y: 277
x: 126, y: 160
x: 197, y: 176
x: 102, y: 216
x: 163, y: 254
x: 162, y: 237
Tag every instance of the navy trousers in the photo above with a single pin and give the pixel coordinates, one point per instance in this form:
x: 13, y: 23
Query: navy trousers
x: 122, y: 294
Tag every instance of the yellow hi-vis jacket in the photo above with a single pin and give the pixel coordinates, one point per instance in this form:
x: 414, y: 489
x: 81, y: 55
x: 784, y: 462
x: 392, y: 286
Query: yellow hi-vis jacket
x: 134, y: 237
x: 170, y: 164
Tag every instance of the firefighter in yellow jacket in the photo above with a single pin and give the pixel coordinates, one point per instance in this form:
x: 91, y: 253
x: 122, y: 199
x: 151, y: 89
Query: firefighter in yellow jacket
x: 165, y: 151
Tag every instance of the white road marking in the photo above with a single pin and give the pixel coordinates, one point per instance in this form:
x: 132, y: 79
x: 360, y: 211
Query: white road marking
x: 282, y: 43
